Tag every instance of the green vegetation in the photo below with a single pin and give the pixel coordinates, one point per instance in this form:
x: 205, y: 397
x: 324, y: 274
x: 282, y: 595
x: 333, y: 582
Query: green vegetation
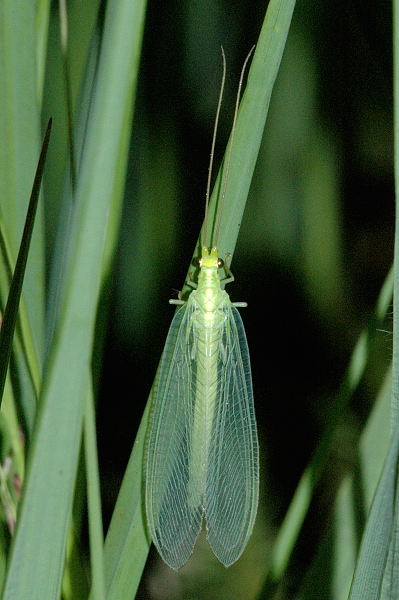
x: 120, y: 209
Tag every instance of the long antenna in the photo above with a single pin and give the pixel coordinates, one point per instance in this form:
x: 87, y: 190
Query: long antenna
x: 233, y: 129
x: 215, y: 128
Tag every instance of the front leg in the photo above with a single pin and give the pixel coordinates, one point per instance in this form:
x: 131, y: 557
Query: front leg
x: 228, y: 279
x: 179, y: 302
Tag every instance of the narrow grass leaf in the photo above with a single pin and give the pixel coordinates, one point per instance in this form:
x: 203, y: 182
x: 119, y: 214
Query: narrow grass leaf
x: 68, y: 203
x: 368, y: 577
x: 395, y: 362
x: 83, y: 54
x: 376, y: 567
x: 11, y: 309
x: 296, y: 513
x: 20, y: 147
x: 20, y: 144
x: 24, y: 340
x: 17, y: 449
x: 47, y: 500
x: 251, y: 120
x: 94, y: 498
x: 333, y: 568
x: 42, y: 22
x: 127, y: 541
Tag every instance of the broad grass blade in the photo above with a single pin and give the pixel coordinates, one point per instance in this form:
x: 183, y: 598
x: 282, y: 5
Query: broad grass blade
x: 376, y: 574
x: 301, y: 500
x: 20, y: 145
x: 48, y: 490
x: 127, y: 543
x: 332, y: 569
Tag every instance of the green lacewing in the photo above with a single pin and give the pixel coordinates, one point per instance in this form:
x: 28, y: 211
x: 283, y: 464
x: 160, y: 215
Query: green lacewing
x: 202, y: 459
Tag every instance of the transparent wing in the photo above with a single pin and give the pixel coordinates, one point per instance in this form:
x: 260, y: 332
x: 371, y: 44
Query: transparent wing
x: 233, y: 468
x: 174, y: 523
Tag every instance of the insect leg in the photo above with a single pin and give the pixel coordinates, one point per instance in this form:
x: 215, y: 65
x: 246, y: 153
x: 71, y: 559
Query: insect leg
x: 228, y: 279
x: 191, y: 283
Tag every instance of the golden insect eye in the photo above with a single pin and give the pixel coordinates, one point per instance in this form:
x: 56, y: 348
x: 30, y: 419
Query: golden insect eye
x: 220, y: 263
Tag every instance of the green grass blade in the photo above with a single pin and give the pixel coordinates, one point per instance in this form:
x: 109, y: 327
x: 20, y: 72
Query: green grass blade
x: 20, y: 137
x: 46, y: 503
x: 64, y: 218
x: 126, y: 543
x: 9, y: 412
x: 83, y: 36
x: 376, y: 570
x: 251, y: 120
x: 295, y: 516
x: 332, y: 570
x: 42, y: 21
x: 24, y: 333
x: 368, y: 577
x: 11, y: 309
x: 395, y: 364
x: 94, y: 499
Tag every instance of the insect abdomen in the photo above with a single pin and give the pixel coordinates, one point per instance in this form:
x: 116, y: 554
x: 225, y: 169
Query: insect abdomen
x: 208, y: 327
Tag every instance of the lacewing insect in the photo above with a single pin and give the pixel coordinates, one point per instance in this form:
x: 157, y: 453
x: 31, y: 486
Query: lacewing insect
x: 202, y: 462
